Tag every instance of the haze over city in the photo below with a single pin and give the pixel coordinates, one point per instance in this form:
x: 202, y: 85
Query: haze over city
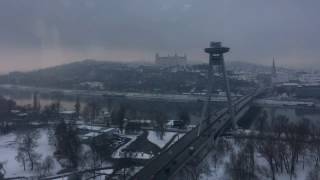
x: 41, y: 33
x: 159, y: 90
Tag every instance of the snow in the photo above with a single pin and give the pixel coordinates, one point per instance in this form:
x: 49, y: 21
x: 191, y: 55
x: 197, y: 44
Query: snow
x: 8, y: 152
x: 88, y: 127
x: 67, y: 112
x: 7, y: 155
x: 155, y: 139
x: 109, y: 130
x: 141, y: 155
x: 219, y: 171
x: 107, y: 171
x: 134, y: 155
x: 95, y: 133
x: 118, y: 153
x: 90, y: 134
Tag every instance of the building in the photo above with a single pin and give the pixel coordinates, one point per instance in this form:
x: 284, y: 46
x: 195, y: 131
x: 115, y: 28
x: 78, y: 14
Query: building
x: 278, y: 77
x: 310, y: 78
x: 168, y: 61
x: 274, y: 73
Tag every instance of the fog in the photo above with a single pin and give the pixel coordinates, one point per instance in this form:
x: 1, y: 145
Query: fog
x: 41, y: 33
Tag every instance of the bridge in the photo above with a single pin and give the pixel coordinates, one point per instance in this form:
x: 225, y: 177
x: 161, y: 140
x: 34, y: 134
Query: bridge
x: 197, y: 143
x: 192, y: 145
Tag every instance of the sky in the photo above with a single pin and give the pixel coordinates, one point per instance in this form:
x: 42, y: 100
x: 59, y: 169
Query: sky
x: 42, y: 33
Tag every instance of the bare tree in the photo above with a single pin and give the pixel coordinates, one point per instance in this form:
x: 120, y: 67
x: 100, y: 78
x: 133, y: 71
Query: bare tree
x: 222, y: 146
x: 2, y: 171
x: 268, y: 152
x: 26, y: 148
x: 193, y: 170
x: 22, y: 158
x: 295, y: 134
x: 45, y: 168
x: 67, y: 142
x: 160, y: 119
x: 77, y: 108
x: 184, y: 116
x: 314, y: 145
x: 242, y: 164
x: 314, y: 174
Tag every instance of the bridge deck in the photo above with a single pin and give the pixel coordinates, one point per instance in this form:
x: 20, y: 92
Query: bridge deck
x: 165, y: 165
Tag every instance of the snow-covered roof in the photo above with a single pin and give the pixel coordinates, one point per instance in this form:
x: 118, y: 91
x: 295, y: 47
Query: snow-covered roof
x: 69, y: 112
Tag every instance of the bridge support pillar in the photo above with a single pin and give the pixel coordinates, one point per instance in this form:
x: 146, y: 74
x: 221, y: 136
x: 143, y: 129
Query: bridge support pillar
x: 216, y: 51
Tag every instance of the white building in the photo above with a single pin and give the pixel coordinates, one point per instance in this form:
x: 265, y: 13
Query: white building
x: 313, y: 78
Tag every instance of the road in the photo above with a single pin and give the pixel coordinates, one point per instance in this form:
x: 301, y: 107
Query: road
x: 168, y: 163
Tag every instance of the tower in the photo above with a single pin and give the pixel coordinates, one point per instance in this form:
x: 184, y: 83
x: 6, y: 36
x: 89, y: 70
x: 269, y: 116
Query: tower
x: 274, y: 70
x: 274, y: 78
x: 36, y: 103
x: 216, y: 51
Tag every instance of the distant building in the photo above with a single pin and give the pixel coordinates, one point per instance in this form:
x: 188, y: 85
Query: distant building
x: 174, y: 60
x: 274, y: 73
x: 310, y: 78
x: 278, y: 77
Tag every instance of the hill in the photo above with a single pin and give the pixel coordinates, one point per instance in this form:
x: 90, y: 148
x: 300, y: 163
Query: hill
x: 129, y: 77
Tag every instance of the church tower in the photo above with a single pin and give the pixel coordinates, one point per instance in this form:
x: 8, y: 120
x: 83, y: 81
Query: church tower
x: 274, y: 70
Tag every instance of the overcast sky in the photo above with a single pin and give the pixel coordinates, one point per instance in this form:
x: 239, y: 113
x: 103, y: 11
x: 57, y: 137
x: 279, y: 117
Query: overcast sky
x: 40, y: 33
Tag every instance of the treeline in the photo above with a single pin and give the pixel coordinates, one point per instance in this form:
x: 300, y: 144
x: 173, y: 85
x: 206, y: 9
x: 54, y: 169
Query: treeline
x: 119, y: 77
x: 280, y: 148
x: 286, y: 147
x: 5, y: 114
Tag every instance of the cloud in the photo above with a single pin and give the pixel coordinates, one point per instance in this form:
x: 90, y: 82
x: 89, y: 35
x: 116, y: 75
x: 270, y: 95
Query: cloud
x: 255, y: 30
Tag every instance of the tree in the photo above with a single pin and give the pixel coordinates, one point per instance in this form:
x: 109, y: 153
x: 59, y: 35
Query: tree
x: 160, y: 119
x: 86, y: 113
x: 26, y: 149
x: 67, y: 142
x: 2, y: 171
x: 51, y: 112
x: 315, y: 144
x: 314, y: 174
x: 77, y: 108
x: 239, y: 167
x: 91, y: 110
x: 45, y: 167
x: 118, y: 116
x: 184, y: 117
x: 5, y: 109
x: 262, y: 124
x: 22, y: 158
x: 193, y: 170
x: 296, y: 135
x: 221, y: 147
x: 268, y: 152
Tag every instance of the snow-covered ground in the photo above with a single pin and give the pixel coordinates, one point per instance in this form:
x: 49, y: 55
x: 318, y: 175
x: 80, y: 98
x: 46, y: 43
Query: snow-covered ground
x: 118, y: 153
x: 8, y: 152
x: 155, y: 139
x: 219, y: 172
x: 89, y: 127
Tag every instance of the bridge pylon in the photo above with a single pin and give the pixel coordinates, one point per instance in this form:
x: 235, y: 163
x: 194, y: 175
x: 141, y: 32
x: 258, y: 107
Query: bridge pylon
x: 216, y: 61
